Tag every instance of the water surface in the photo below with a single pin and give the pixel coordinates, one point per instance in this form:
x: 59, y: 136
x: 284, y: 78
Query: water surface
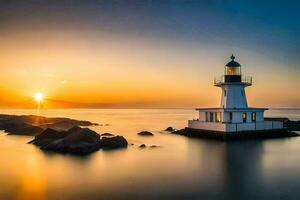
x: 181, y: 168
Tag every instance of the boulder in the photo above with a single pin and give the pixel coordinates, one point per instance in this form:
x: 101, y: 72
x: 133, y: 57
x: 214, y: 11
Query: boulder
x: 106, y: 134
x: 170, y: 129
x: 47, y: 136
x: 75, y: 141
x: 145, y: 133
x: 142, y: 146
x: 113, y: 142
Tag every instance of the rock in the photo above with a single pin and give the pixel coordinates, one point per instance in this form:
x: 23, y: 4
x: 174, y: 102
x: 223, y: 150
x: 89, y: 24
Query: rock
x: 33, y: 125
x: 22, y: 129
x: 145, y: 133
x: 142, y: 146
x: 170, y: 129
x: 47, y: 136
x: 107, y: 134
x: 153, y: 146
x: 75, y: 141
x: 113, y: 142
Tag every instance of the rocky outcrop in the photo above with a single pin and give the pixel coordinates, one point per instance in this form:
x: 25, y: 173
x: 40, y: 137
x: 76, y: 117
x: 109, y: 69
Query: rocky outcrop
x: 170, y: 129
x: 20, y: 128
x: 76, y: 141
x: 142, y: 146
x: 145, y: 133
x: 107, y: 134
x: 115, y: 142
x: 33, y: 125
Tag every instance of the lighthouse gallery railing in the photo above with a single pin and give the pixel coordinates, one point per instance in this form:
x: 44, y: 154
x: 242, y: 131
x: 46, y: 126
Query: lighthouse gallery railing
x: 244, y: 79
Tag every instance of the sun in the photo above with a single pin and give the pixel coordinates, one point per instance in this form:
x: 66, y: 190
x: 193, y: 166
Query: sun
x: 38, y: 97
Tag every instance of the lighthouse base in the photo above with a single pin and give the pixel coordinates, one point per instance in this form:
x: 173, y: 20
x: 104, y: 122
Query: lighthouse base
x: 227, y: 136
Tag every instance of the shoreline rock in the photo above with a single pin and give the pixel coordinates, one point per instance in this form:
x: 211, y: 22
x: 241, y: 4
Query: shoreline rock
x: 107, y: 134
x: 76, y: 140
x: 145, y: 133
x: 170, y: 129
x: 33, y: 125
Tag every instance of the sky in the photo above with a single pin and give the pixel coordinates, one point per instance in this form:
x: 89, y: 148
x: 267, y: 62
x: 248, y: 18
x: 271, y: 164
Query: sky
x: 146, y: 54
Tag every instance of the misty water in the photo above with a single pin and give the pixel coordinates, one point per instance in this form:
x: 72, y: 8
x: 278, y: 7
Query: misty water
x: 180, y: 168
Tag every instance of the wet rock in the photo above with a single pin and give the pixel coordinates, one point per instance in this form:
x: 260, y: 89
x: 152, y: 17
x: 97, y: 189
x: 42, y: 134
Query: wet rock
x: 75, y: 141
x: 113, y: 142
x: 145, y: 133
x: 47, y: 136
x: 170, y: 129
x: 107, y: 134
x: 33, y: 125
x: 142, y: 146
x: 21, y: 129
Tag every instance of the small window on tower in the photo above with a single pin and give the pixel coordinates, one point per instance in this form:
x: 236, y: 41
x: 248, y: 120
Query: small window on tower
x: 230, y: 116
x: 244, y: 117
x: 253, y: 116
x: 224, y: 92
x: 242, y: 93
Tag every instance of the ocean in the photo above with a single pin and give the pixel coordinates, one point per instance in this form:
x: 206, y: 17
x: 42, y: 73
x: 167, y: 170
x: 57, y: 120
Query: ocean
x: 180, y: 168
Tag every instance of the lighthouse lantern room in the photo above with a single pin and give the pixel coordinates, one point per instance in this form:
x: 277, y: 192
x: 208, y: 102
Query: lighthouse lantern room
x: 233, y: 115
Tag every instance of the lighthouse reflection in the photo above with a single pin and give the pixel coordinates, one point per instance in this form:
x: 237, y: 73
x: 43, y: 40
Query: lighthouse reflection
x: 239, y: 165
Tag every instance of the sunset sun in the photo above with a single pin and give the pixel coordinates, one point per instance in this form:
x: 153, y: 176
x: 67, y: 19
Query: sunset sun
x: 38, y: 97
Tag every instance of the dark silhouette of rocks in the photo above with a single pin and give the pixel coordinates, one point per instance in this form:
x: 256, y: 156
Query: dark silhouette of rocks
x: 170, y: 128
x: 20, y: 128
x: 115, y: 142
x: 107, y: 134
x: 142, y: 146
x: 76, y: 141
x: 48, y: 136
x: 33, y: 125
x: 145, y: 133
x: 153, y: 146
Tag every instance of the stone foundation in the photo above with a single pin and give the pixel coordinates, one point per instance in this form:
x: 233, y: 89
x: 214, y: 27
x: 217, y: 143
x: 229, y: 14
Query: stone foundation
x: 225, y: 136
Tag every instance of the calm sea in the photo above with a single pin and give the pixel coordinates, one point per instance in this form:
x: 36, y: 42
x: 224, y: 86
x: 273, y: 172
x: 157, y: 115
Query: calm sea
x: 181, y: 168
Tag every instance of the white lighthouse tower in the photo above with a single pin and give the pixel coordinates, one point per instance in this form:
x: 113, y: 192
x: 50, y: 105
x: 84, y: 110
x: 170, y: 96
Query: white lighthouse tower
x: 233, y: 116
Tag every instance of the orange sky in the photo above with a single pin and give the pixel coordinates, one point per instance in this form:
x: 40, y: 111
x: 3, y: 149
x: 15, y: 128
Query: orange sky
x: 139, y: 54
x: 104, y: 70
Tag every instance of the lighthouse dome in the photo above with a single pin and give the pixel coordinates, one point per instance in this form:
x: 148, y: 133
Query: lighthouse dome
x: 233, y: 63
x: 233, y: 70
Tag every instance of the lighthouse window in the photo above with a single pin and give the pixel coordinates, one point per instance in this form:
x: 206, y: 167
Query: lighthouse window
x: 218, y: 116
x: 253, y: 116
x: 230, y: 116
x: 206, y: 116
x: 211, y: 116
x: 224, y: 92
x: 236, y: 71
x: 242, y: 93
x: 244, y: 117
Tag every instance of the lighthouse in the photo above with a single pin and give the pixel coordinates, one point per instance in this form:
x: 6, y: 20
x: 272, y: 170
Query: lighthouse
x: 233, y: 116
x: 233, y: 87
